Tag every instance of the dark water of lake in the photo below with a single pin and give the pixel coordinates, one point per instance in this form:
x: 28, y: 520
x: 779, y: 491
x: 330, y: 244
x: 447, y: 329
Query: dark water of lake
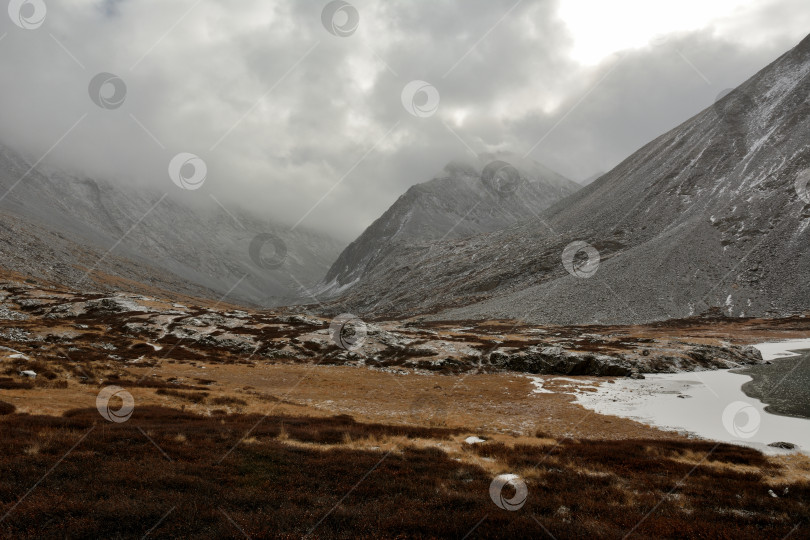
x: 783, y: 385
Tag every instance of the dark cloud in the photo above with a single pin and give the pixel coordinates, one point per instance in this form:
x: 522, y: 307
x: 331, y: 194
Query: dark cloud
x: 287, y: 115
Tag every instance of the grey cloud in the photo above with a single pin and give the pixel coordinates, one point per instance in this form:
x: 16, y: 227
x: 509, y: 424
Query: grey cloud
x: 312, y: 130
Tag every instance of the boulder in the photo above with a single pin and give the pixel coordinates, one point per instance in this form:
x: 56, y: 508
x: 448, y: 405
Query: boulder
x: 724, y: 357
x: 558, y: 361
x: 783, y: 445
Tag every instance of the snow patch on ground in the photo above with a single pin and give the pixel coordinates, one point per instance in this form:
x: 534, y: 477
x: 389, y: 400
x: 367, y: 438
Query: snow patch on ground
x: 569, y: 379
x: 782, y: 349
x: 538, y: 385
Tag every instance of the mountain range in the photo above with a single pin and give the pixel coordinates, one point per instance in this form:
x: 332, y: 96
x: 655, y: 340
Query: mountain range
x: 711, y: 216
x: 99, y: 234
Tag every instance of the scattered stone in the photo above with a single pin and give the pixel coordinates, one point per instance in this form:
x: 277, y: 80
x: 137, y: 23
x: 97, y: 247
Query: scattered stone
x: 301, y: 319
x: 783, y: 445
x: 16, y: 334
x: 557, y: 361
x: 8, y: 314
x: 113, y: 305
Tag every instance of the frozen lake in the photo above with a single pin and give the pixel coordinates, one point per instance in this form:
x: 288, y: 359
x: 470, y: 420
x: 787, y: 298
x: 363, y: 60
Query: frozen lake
x: 712, y: 404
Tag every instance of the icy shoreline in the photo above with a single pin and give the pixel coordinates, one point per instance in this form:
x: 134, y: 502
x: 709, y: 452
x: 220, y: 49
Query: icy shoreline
x: 707, y: 404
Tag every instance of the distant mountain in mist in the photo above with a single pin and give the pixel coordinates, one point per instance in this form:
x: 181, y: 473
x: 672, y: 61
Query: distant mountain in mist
x: 464, y: 200
x: 57, y: 227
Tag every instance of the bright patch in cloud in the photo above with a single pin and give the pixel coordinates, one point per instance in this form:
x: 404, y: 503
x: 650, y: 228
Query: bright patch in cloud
x: 602, y: 28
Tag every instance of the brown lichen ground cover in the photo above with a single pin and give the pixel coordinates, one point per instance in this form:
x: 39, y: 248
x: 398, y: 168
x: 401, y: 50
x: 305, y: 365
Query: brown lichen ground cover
x: 223, y: 443
x: 175, y: 474
x: 587, y: 474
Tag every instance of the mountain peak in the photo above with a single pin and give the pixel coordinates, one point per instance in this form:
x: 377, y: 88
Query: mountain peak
x: 465, y: 199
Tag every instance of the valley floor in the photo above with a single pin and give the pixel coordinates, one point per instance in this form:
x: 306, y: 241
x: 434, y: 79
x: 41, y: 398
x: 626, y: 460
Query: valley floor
x: 227, y: 440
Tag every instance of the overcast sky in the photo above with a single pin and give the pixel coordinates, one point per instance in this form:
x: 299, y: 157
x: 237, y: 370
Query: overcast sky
x: 312, y: 116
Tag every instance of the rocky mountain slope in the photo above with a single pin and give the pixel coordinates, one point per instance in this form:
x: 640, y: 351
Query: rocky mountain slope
x: 712, y: 214
x: 103, y: 332
x: 93, y: 233
x: 464, y: 200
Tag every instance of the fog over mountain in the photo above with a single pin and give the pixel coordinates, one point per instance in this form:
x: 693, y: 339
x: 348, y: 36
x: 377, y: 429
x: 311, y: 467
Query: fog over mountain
x: 464, y: 200
x: 711, y: 215
x: 300, y: 125
x: 91, y: 233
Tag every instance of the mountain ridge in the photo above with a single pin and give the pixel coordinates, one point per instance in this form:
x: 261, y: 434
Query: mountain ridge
x: 671, y: 225
x: 84, y: 226
x: 465, y: 199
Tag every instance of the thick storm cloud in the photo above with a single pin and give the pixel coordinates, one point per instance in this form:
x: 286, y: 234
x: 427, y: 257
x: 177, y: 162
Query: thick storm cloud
x: 308, y: 112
